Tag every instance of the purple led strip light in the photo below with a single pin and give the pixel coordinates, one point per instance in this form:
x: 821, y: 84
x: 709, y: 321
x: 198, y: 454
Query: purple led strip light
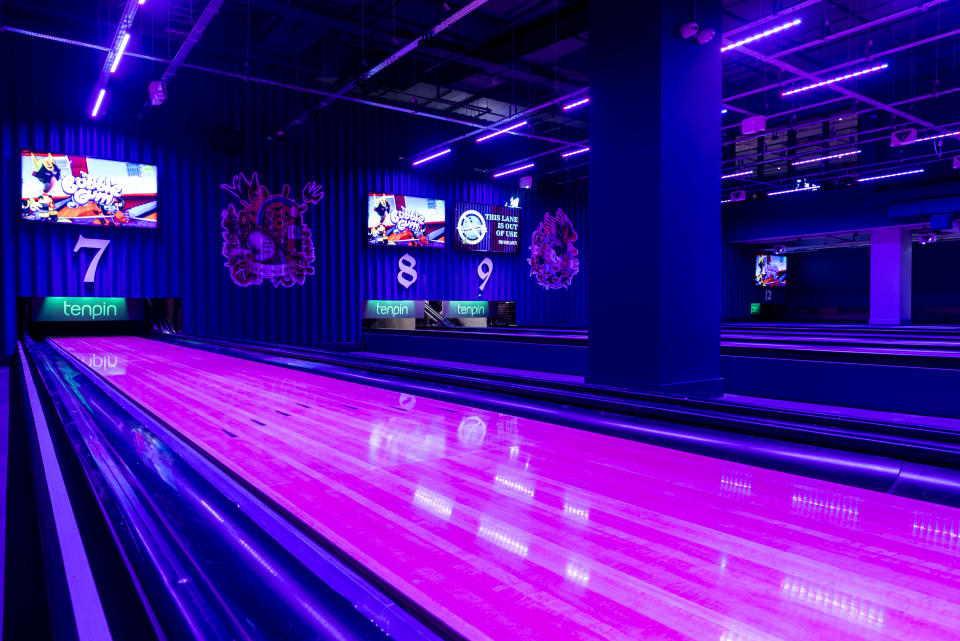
x: 574, y: 105
x: 794, y: 191
x: 739, y: 173
x: 96, y: 107
x: 830, y: 157
x: 758, y: 36
x: 502, y: 131
x: 123, y: 47
x: 431, y: 157
x: 836, y: 79
x: 513, y: 171
x: 881, y: 177
x: 576, y: 152
x: 937, y: 137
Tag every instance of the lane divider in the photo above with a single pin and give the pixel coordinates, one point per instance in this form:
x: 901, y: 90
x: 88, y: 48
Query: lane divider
x: 88, y: 614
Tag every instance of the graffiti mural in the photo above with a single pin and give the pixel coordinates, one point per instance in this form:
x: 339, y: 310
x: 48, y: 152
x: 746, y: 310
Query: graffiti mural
x: 553, y: 256
x: 266, y: 236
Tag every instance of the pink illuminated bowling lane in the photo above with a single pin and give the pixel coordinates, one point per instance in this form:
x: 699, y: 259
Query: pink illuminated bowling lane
x: 511, y: 529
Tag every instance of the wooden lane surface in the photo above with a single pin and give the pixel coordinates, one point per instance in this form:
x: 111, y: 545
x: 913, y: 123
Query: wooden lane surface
x: 514, y: 529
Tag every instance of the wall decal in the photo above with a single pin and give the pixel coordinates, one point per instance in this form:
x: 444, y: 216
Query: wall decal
x: 406, y: 274
x: 485, y: 272
x: 100, y: 244
x: 268, y: 237
x: 553, y: 256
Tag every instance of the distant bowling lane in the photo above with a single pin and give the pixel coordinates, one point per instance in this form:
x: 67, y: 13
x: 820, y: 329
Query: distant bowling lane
x: 514, y: 529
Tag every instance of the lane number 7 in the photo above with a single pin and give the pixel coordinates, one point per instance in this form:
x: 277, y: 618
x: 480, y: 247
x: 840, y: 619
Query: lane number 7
x: 100, y: 244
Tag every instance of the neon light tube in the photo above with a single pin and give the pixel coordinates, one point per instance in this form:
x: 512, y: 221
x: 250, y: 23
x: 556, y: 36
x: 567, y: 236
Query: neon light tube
x: 830, y: 157
x: 502, y: 131
x: 96, y: 107
x: 513, y: 171
x: 761, y: 35
x: 739, y: 173
x: 428, y: 158
x: 123, y: 47
x: 723, y: 111
x: 794, y: 191
x: 937, y: 137
x: 836, y: 79
x: 576, y: 152
x: 881, y: 177
x: 574, y: 105
x: 847, y: 76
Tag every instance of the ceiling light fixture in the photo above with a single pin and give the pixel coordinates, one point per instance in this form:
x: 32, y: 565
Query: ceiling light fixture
x: 758, y: 36
x: 937, y: 137
x: 576, y: 152
x: 120, y: 50
x: 844, y: 154
x: 737, y: 174
x: 795, y: 190
x: 502, y: 131
x: 574, y: 105
x: 431, y: 157
x: 882, y: 176
x: 96, y: 106
x: 836, y: 79
x: 513, y: 171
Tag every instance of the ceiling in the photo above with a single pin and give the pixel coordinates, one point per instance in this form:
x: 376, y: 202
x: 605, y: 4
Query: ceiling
x: 524, y: 59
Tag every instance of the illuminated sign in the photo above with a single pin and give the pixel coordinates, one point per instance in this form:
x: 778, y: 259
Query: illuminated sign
x: 487, y: 228
x: 466, y: 309
x: 393, y: 309
x: 55, y: 309
x: 754, y: 308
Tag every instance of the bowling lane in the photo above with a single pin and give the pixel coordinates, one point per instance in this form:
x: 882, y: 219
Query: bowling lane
x: 514, y: 529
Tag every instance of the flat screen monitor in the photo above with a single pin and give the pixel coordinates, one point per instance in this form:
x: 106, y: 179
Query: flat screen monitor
x: 487, y: 228
x: 771, y: 270
x: 408, y: 221
x: 79, y: 190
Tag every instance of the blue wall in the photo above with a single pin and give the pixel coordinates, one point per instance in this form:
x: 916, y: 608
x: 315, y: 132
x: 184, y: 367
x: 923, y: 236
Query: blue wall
x: 349, y: 149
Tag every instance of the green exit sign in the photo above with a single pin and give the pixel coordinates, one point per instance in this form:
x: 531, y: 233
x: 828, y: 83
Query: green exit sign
x: 58, y: 309
x: 754, y: 308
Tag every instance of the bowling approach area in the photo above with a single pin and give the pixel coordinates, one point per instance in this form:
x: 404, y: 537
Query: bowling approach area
x: 539, y: 320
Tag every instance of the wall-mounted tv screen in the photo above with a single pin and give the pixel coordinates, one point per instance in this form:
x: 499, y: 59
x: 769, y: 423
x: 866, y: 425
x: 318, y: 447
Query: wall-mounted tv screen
x: 771, y: 270
x: 57, y: 188
x: 487, y: 228
x: 409, y: 221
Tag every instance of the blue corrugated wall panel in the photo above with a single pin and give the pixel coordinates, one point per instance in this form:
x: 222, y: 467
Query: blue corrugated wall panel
x: 349, y: 149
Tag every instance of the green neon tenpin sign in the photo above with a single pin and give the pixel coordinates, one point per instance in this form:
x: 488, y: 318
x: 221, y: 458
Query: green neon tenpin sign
x: 393, y: 309
x: 466, y: 308
x: 55, y: 309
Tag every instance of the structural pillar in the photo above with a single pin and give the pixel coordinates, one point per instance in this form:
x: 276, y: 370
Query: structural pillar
x: 654, y: 243
x: 891, y: 271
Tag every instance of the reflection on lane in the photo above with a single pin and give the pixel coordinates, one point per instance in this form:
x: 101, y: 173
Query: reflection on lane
x: 579, y: 535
